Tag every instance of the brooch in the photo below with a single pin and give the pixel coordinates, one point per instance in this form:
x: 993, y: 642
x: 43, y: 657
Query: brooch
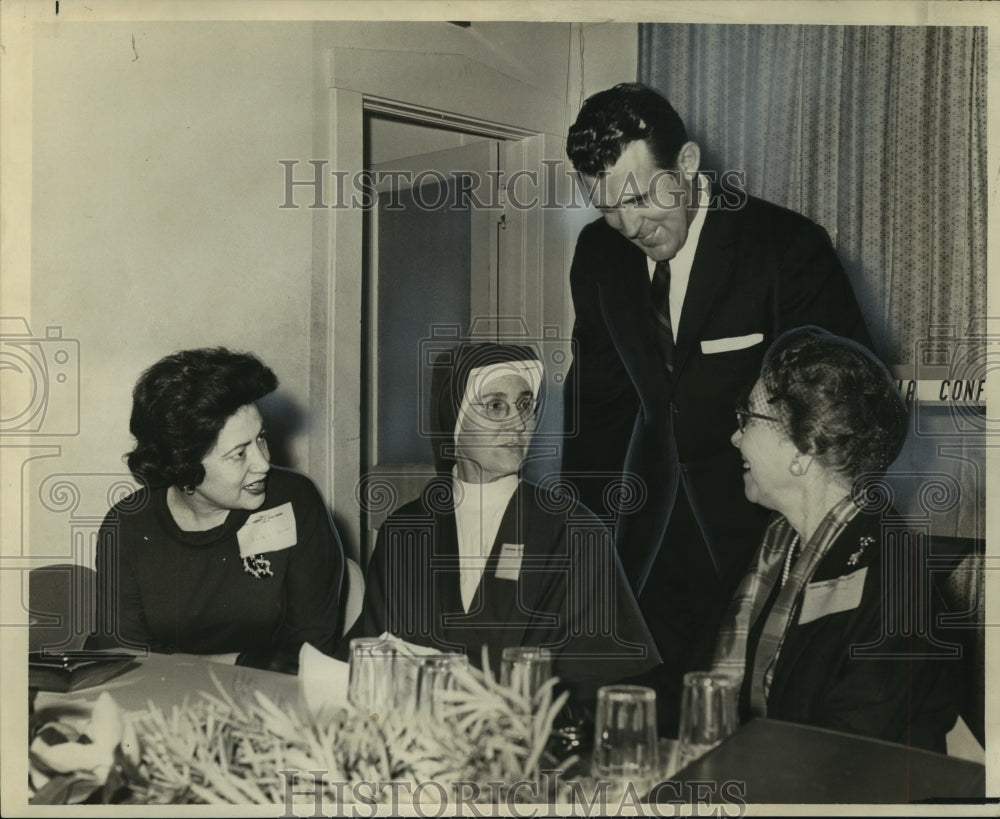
x: 864, y: 542
x: 257, y: 566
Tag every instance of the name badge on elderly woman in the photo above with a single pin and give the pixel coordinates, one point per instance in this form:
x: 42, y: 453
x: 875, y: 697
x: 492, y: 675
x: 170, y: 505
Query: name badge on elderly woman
x: 509, y: 562
x: 832, y: 596
x: 268, y: 531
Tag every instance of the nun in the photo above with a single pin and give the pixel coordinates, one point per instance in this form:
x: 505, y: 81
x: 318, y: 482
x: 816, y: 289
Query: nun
x: 485, y: 558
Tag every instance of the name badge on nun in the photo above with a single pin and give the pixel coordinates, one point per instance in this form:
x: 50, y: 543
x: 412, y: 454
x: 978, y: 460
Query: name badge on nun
x: 268, y: 531
x: 832, y: 596
x: 509, y: 562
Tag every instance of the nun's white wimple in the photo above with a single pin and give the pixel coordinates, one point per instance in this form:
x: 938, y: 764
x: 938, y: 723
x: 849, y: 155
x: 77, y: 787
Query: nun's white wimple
x: 479, y: 377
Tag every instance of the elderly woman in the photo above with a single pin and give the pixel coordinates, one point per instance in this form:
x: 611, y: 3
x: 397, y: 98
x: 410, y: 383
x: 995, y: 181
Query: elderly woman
x: 219, y: 553
x: 814, y: 632
x: 485, y: 558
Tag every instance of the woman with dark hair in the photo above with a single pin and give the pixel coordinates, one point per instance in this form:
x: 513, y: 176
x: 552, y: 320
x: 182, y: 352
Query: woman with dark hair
x: 219, y: 553
x: 833, y: 625
x: 485, y: 558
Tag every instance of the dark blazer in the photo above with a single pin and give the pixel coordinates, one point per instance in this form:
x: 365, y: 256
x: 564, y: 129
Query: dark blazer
x: 760, y: 269
x: 569, y: 594
x: 903, y: 682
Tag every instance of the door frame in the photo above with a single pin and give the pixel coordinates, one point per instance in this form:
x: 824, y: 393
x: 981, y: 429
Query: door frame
x: 483, y: 248
x: 349, y: 83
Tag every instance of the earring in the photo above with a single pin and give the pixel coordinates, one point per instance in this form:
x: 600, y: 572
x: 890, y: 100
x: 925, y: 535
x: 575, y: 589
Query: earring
x: 795, y: 468
x: 188, y: 490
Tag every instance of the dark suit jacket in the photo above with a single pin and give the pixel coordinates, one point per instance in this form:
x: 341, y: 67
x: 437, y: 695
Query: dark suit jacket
x: 760, y: 269
x: 569, y: 595
x: 903, y: 683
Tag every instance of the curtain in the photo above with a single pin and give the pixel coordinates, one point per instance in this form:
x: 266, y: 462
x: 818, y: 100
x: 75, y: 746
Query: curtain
x: 876, y: 133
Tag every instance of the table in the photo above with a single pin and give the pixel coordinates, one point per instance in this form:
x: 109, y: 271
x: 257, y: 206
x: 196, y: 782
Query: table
x: 773, y: 762
x: 765, y: 762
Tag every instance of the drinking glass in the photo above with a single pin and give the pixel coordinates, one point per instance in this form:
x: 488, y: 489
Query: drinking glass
x: 370, y: 675
x: 435, y: 678
x: 708, y: 714
x: 525, y: 668
x: 625, y: 740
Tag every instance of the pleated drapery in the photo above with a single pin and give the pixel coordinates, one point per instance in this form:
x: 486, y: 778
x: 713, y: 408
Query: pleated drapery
x: 878, y: 133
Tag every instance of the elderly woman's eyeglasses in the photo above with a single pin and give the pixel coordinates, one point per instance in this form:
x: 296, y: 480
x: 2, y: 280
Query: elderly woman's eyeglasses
x: 496, y: 409
x: 743, y: 417
x: 743, y: 414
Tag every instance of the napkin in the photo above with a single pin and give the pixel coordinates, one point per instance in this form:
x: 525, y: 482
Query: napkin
x: 322, y: 680
x: 408, y: 649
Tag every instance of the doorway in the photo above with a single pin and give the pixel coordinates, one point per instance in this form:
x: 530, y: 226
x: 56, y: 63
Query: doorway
x: 425, y: 102
x: 432, y: 269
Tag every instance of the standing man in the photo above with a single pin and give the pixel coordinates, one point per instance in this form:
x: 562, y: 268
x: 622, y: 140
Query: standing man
x: 678, y: 290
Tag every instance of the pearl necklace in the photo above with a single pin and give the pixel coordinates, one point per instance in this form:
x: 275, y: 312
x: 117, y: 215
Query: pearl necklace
x: 788, y: 561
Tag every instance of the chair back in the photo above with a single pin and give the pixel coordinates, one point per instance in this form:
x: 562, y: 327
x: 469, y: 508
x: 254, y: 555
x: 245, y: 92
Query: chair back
x: 60, y: 606
x: 384, y: 489
x: 963, y: 588
x: 352, y: 595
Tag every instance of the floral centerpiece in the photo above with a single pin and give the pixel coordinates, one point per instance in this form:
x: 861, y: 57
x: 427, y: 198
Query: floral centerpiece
x: 223, y: 748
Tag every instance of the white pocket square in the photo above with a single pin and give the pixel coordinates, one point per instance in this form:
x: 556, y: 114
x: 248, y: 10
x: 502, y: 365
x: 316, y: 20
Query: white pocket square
x: 725, y: 345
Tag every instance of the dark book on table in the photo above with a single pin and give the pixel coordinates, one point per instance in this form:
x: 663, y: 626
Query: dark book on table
x: 73, y: 670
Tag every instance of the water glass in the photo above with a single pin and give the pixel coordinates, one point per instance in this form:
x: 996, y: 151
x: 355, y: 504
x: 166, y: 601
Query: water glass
x: 625, y: 740
x: 370, y: 676
x: 402, y: 680
x: 435, y: 679
x: 525, y: 668
x: 708, y: 714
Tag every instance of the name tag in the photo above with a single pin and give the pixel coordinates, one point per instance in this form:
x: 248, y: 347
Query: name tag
x: 509, y: 562
x: 268, y: 531
x: 832, y: 596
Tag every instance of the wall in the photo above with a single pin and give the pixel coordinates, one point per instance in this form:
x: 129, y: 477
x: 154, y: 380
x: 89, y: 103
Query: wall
x: 155, y: 222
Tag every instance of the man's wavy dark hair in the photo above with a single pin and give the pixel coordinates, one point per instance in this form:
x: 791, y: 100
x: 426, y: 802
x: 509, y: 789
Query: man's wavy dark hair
x: 611, y: 119
x: 181, y: 403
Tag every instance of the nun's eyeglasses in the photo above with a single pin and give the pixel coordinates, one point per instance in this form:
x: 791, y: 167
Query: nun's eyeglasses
x: 496, y: 409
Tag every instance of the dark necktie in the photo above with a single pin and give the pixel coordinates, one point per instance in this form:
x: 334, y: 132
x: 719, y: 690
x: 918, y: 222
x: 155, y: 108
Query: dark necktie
x: 660, y: 297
